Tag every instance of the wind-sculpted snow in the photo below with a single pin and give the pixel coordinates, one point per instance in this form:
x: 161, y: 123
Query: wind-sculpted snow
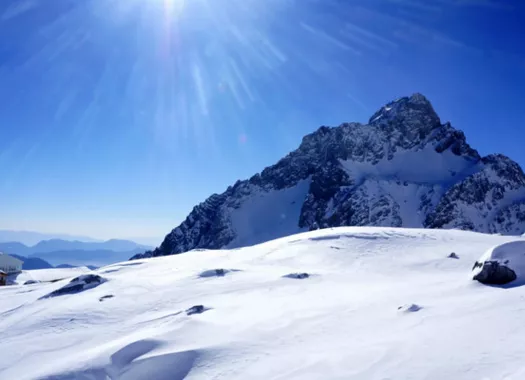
x: 403, y: 169
x: 342, y: 303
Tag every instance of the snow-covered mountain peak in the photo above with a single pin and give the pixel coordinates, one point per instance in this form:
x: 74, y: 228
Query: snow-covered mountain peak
x: 403, y: 169
x: 414, y: 115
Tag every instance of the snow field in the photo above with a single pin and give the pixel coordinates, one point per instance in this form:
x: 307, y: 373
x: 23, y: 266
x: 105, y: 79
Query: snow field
x: 342, y: 322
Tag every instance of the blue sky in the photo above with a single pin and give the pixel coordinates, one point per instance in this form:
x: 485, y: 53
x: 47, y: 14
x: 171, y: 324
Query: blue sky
x: 118, y: 116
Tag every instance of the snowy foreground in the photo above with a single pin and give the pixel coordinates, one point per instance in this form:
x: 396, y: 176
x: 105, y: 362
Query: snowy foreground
x: 380, y: 303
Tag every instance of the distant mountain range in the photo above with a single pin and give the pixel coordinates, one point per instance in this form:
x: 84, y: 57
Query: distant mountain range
x: 49, y: 253
x: 31, y: 263
x: 34, y: 263
x: 99, y: 257
x: 31, y: 238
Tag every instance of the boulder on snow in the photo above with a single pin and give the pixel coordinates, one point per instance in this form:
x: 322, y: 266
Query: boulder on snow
x: 79, y: 284
x: 494, y: 273
x: 219, y: 272
x: 453, y: 255
x: 214, y: 273
x: 298, y: 276
x: 197, y: 309
x: 409, y: 308
x: 501, y: 264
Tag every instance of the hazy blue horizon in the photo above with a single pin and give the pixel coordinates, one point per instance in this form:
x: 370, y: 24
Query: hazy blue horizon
x: 119, y: 116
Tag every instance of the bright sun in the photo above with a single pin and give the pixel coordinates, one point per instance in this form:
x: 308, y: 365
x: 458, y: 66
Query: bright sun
x: 174, y: 4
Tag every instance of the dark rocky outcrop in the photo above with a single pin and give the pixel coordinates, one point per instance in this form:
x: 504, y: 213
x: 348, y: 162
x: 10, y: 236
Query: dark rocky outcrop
x: 197, y: 309
x: 297, y: 276
x: 494, y: 273
x: 78, y: 284
x: 409, y: 308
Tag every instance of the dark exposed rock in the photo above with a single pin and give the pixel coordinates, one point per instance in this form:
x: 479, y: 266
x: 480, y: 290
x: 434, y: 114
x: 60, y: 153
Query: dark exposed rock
x: 298, y: 276
x: 453, y: 255
x: 216, y: 272
x: 78, y: 284
x: 197, y: 309
x: 409, y: 308
x: 494, y: 273
x: 108, y: 296
x: 357, y: 176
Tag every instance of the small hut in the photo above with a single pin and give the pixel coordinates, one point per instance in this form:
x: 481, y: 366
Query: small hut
x: 3, y: 278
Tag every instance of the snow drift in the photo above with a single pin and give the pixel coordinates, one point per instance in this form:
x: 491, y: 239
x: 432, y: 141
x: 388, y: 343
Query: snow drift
x: 378, y: 303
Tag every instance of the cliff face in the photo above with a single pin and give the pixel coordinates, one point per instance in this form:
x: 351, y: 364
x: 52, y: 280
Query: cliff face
x: 404, y: 169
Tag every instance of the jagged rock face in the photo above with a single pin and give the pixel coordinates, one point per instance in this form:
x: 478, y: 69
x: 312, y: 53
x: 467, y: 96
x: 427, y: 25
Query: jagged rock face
x: 402, y: 169
x: 490, y: 200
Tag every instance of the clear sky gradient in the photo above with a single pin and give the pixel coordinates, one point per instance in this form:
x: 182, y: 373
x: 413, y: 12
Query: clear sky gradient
x: 118, y: 116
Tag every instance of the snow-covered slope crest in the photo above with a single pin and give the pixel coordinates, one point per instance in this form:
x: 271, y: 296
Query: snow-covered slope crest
x: 376, y: 302
x: 403, y: 169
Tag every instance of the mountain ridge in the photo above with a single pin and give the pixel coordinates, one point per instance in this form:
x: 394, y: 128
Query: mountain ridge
x: 30, y: 238
x: 405, y: 168
x: 52, y: 252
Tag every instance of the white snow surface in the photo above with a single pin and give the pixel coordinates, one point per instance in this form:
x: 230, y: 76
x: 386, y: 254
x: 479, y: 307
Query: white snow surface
x: 424, y: 166
x: 268, y: 215
x: 380, y: 303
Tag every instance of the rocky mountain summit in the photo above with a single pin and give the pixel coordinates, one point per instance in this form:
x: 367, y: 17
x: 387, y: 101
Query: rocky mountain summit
x: 403, y: 169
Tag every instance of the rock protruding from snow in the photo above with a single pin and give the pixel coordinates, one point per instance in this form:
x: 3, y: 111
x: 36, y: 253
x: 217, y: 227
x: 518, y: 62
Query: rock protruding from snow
x: 502, y: 264
x: 453, y: 255
x: 219, y: 272
x: 297, y: 276
x: 403, y: 169
x: 409, y: 308
x: 493, y: 273
x: 215, y: 272
x: 79, y: 284
x: 197, y: 309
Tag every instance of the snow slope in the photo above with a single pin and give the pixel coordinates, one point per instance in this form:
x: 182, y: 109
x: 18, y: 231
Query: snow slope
x: 380, y: 303
x: 267, y: 215
x: 48, y: 275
